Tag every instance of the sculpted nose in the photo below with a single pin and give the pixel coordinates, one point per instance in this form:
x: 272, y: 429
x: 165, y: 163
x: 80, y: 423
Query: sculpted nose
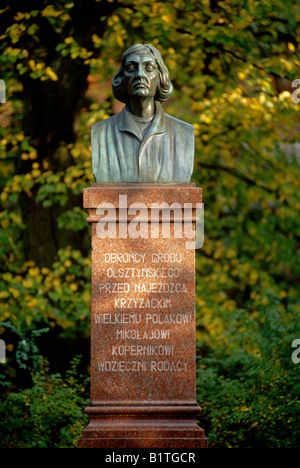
x: 140, y: 72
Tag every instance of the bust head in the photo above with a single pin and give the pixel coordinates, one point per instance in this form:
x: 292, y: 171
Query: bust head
x: 157, y: 74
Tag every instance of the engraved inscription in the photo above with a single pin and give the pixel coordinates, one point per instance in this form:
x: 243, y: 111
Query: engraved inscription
x: 140, y: 290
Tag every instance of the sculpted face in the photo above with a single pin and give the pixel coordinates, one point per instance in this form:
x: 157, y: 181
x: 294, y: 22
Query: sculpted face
x: 141, y: 75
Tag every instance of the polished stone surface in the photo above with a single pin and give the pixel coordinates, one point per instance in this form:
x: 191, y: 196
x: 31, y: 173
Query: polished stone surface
x: 143, y: 368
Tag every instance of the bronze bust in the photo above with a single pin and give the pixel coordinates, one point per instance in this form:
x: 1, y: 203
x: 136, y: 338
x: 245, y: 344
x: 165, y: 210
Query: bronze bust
x: 142, y: 143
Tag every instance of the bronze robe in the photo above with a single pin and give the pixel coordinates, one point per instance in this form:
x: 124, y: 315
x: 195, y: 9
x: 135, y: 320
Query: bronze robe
x: 165, y: 154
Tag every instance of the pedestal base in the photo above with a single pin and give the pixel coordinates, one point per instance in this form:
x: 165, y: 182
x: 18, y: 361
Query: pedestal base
x: 143, y: 427
x: 143, y: 343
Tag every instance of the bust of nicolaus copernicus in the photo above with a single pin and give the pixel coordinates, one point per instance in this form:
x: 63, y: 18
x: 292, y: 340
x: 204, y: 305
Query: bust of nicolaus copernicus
x: 142, y: 143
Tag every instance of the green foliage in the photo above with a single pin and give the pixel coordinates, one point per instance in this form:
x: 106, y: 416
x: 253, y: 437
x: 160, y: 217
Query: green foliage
x: 232, y: 64
x: 47, y: 415
x: 58, y: 296
x: 27, y: 353
x: 248, y: 386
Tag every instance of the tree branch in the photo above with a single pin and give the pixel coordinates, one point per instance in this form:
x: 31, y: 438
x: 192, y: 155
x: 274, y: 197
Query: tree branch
x: 239, y: 175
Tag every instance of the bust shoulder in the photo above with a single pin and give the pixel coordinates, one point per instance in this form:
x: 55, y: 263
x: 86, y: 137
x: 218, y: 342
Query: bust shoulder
x: 102, y: 124
x: 184, y: 129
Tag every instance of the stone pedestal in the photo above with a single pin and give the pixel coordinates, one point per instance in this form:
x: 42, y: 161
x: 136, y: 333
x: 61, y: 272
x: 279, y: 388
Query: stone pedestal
x: 143, y: 366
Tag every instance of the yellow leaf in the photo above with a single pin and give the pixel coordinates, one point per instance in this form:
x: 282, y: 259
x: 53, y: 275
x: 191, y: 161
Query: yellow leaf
x: 27, y: 191
x: 96, y: 39
x: 33, y: 303
x: 36, y: 173
x: 291, y: 47
x: 14, y: 292
x: 120, y: 41
x: 31, y: 63
x: 51, y: 74
x: 27, y: 283
x: 19, y: 16
x: 5, y: 223
x: 166, y: 18
x: 40, y: 66
x: 284, y: 95
x: 34, y: 272
x: 4, y: 294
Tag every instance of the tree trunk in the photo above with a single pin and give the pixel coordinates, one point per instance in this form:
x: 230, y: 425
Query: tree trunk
x: 50, y: 112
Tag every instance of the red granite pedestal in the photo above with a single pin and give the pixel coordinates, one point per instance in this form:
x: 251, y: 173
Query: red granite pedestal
x: 143, y: 365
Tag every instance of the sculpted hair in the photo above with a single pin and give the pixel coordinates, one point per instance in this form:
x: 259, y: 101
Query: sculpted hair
x: 165, y: 87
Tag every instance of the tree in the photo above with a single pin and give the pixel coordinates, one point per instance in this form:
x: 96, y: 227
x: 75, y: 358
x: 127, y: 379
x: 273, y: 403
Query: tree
x: 54, y: 82
x: 232, y: 64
